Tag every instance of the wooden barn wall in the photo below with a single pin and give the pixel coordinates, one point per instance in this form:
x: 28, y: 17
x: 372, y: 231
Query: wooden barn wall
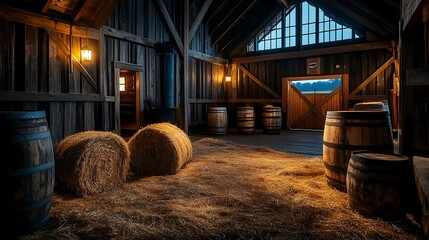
x: 359, y: 66
x: 414, y: 121
x: 142, y: 18
x: 207, y: 81
x: 35, y: 74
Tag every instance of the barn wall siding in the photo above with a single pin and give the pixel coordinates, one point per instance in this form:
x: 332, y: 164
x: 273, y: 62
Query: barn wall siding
x: 34, y: 67
x: 358, y: 65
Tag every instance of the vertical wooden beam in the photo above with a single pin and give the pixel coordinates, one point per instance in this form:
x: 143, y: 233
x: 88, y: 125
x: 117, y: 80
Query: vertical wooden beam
x: 117, y: 102
x: 345, y: 78
x: 284, y: 94
x: 103, y: 82
x: 234, y: 79
x: 185, y: 66
x: 199, y: 18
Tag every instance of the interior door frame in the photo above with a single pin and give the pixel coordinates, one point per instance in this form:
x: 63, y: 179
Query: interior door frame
x: 139, y: 92
x: 286, y: 81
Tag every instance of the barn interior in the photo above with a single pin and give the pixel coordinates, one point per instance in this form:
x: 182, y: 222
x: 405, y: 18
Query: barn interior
x: 259, y: 96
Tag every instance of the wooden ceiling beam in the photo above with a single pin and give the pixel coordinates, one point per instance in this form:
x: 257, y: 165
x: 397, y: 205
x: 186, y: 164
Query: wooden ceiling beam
x: 315, y: 52
x: 170, y: 26
x: 78, y: 10
x: 46, y: 6
x: 103, y: 12
x: 199, y: 18
x: 339, y: 8
x: 239, y: 47
x: 235, y: 21
x: 218, y: 25
x: 369, y: 12
x: 36, y: 20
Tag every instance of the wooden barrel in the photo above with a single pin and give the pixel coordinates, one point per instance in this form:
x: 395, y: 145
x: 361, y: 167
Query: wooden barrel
x: 245, y: 120
x: 366, y: 106
x: 373, y: 106
x: 348, y: 131
x: 27, y: 171
x: 271, y: 119
x: 217, y: 120
x: 378, y: 184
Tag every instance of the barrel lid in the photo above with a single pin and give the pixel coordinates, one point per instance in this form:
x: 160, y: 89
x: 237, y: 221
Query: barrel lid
x: 10, y: 115
x: 380, y: 156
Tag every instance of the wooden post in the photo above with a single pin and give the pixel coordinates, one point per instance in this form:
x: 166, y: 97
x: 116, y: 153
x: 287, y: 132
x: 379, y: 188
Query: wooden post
x: 185, y: 79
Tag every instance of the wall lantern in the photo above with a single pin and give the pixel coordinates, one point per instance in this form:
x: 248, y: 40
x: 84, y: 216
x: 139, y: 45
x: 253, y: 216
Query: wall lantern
x: 228, y: 78
x: 86, y: 54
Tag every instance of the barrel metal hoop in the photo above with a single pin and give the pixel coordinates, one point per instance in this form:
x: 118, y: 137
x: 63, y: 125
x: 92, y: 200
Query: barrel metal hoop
x: 383, y: 182
x: 370, y: 124
x: 29, y: 170
x: 335, y: 169
x: 38, y: 224
x: 16, y: 138
x: 357, y: 115
x: 22, y: 115
x: 32, y: 206
x: 357, y: 147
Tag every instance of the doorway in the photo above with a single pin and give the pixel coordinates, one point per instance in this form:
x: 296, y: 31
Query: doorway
x: 128, y: 98
x: 309, y: 99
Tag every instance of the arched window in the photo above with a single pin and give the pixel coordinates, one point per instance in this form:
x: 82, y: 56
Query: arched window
x: 314, y: 24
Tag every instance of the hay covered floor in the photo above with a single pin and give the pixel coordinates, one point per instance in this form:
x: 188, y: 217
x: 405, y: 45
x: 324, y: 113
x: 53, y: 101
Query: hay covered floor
x: 227, y: 191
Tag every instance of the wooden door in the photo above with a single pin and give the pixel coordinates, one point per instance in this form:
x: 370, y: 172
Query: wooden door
x: 307, y: 110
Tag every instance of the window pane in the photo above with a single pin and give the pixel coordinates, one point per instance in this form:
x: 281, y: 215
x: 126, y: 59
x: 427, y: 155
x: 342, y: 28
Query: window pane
x: 304, y: 29
x: 292, y: 17
x: 304, y: 12
x: 261, y: 46
x: 292, y: 31
x: 320, y: 27
x: 327, y: 26
x: 312, y: 28
x: 326, y: 36
x: 293, y: 41
x: 321, y: 15
x: 332, y: 36
x: 332, y: 24
x: 312, y: 14
x: 339, y: 35
x: 321, y: 38
x: 305, y: 40
x: 347, y: 33
x: 312, y: 39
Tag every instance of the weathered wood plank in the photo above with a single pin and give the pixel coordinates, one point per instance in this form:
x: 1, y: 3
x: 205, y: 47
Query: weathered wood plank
x: 52, y: 96
x: 31, y: 64
x: 66, y: 51
x: 199, y: 18
x: 315, y: 52
x: 372, y: 76
x: 16, y: 15
x: 170, y: 25
x: 259, y: 82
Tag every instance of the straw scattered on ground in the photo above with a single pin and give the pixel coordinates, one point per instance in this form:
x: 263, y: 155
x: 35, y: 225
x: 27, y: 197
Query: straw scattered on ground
x: 227, y: 191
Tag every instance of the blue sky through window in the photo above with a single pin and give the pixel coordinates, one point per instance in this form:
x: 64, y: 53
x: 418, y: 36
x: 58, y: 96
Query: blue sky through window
x: 316, y: 26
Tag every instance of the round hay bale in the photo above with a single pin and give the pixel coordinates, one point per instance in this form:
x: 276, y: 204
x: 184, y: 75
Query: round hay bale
x: 159, y: 149
x: 91, y: 162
